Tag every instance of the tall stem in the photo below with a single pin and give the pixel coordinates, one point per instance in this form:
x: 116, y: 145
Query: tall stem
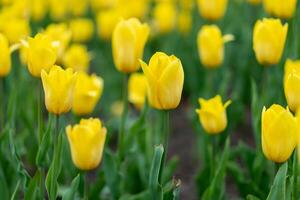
x: 56, y: 131
x: 165, y: 122
x: 85, y: 185
x: 1, y: 104
x: 39, y: 113
x: 295, y: 171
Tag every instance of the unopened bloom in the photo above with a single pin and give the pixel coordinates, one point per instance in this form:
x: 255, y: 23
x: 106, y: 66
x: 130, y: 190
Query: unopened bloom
x: 86, y: 141
x: 41, y: 54
x: 212, y: 114
x: 269, y: 37
x: 137, y: 89
x: 88, y: 90
x: 165, y: 78
x: 279, y: 8
x: 211, y: 45
x: 128, y: 41
x: 58, y: 87
x: 77, y: 57
x: 212, y: 9
x: 5, y: 60
x: 82, y: 29
x: 164, y: 14
x: 279, y: 133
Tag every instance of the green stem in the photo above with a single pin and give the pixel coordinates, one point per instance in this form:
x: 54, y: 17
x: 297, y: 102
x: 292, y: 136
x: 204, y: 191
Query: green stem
x: 165, y: 123
x: 83, y: 175
x: 56, y: 132
x: 1, y: 104
x: 39, y: 113
x: 123, y: 118
x: 295, y: 171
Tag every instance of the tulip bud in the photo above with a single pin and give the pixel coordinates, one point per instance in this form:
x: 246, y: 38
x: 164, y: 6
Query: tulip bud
x: 212, y: 9
x: 279, y: 133
x: 212, y: 114
x: 211, y: 45
x: 86, y: 141
x: 279, y: 8
x: 88, y: 90
x: 269, y: 37
x: 5, y: 60
x: 137, y: 89
x: 164, y: 14
x: 128, y: 41
x: 77, y: 57
x: 82, y: 29
x: 58, y: 87
x: 165, y: 79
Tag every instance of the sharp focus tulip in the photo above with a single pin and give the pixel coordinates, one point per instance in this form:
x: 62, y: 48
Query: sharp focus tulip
x: 82, y: 29
x: 211, y: 45
x: 165, y: 79
x: 292, y: 84
x: 269, y: 37
x: 86, y: 141
x: 279, y: 133
x: 88, y: 90
x: 212, y: 114
x: 5, y: 60
x: 137, y: 89
x: 280, y: 8
x: 41, y: 54
x: 164, y: 14
x: 212, y: 9
x: 77, y: 57
x: 128, y: 41
x: 58, y: 87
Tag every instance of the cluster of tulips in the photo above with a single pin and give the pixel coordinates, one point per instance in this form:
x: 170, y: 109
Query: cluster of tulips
x: 59, y: 40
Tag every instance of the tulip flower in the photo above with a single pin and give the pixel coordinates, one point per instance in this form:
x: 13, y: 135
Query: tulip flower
x: 279, y: 8
x: 279, y: 133
x: 41, y: 54
x: 212, y: 9
x: 211, y: 45
x: 164, y: 14
x: 128, y: 41
x: 137, y: 89
x: 38, y: 9
x: 184, y: 22
x: 86, y: 141
x: 58, y: 9
x: 5, y: 60
x: 165, y: 79
x: 292, y: 84
x: 269, y: 37
x: 79, y: 7
x: 77, y: 57
x: 212, y: 114
x: 15, y: 29
x: 106, y: 22
x: 82, y: 29
x: 58, y: 87
x: 88, y: 90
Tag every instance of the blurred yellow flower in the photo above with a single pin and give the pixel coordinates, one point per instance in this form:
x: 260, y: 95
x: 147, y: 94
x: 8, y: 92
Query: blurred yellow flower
x: 254, y: 2
x: 269, y: 37
x: 184, y: 22
x: 137, y: 89
x: 212, y: 9
x: 279, y: 133
x: 212, y: 114
x: 102, y: 4
x: 82, y: 29
x: 41, y: 54
x: 86, y: 141
x: 292, y: 84
x: 186, y: 4
x: 58, y: 9
x: 78, y: 7
x: 165, y: 79
x: 106, y: 22
x: 15, y: 29
x: 88, y: 90
x: 38, y: 9
x: 280, y: 8
x: 211, y: 45
x: 128, y: 41
x: 164, y: 15
x: 58, y: 87
x: 117, y: 108
x: 133, y: 8
x: 5, y: 60
x: 77, y: 57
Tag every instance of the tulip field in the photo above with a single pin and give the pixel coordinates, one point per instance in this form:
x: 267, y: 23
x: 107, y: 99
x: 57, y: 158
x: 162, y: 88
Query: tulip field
x: 150, y: 99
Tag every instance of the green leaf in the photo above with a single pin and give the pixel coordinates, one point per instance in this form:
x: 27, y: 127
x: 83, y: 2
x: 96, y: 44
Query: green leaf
x: 13, y: 196
x: 252, y: 197
x: 256, y: 112
x: 54, y: 170
x: 33, y: 187
x: 154, y: 185
x: 70, y: 194
x: 278, y: 189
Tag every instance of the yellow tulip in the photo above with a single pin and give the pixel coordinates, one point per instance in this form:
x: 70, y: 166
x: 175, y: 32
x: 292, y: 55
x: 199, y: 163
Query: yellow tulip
x: 77, y: 57
x: 79, y: 7
x: 86, y: 141
x: 211, y: 45
x: 133, y: 8
x: 212, y: 114
x: 292, y: 84
x: 128, y: 41
x: 279, y: 130
x: 16, y: 29
x: 254, y: 2
x: 5, y: 60
x: 82, y: 29
x: 88, y: 90
x: 41, y: 54
x: 184, y: 22
x: 212, y: 9
x: 58, y: 87
x: 164, y: 15
x: 38, y: 9
x: 279, y: 8
x: 137, y: 89
x: 58, y: 9
x: 269, y: 37
x: 106, y: 22
x: 165, y: 79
